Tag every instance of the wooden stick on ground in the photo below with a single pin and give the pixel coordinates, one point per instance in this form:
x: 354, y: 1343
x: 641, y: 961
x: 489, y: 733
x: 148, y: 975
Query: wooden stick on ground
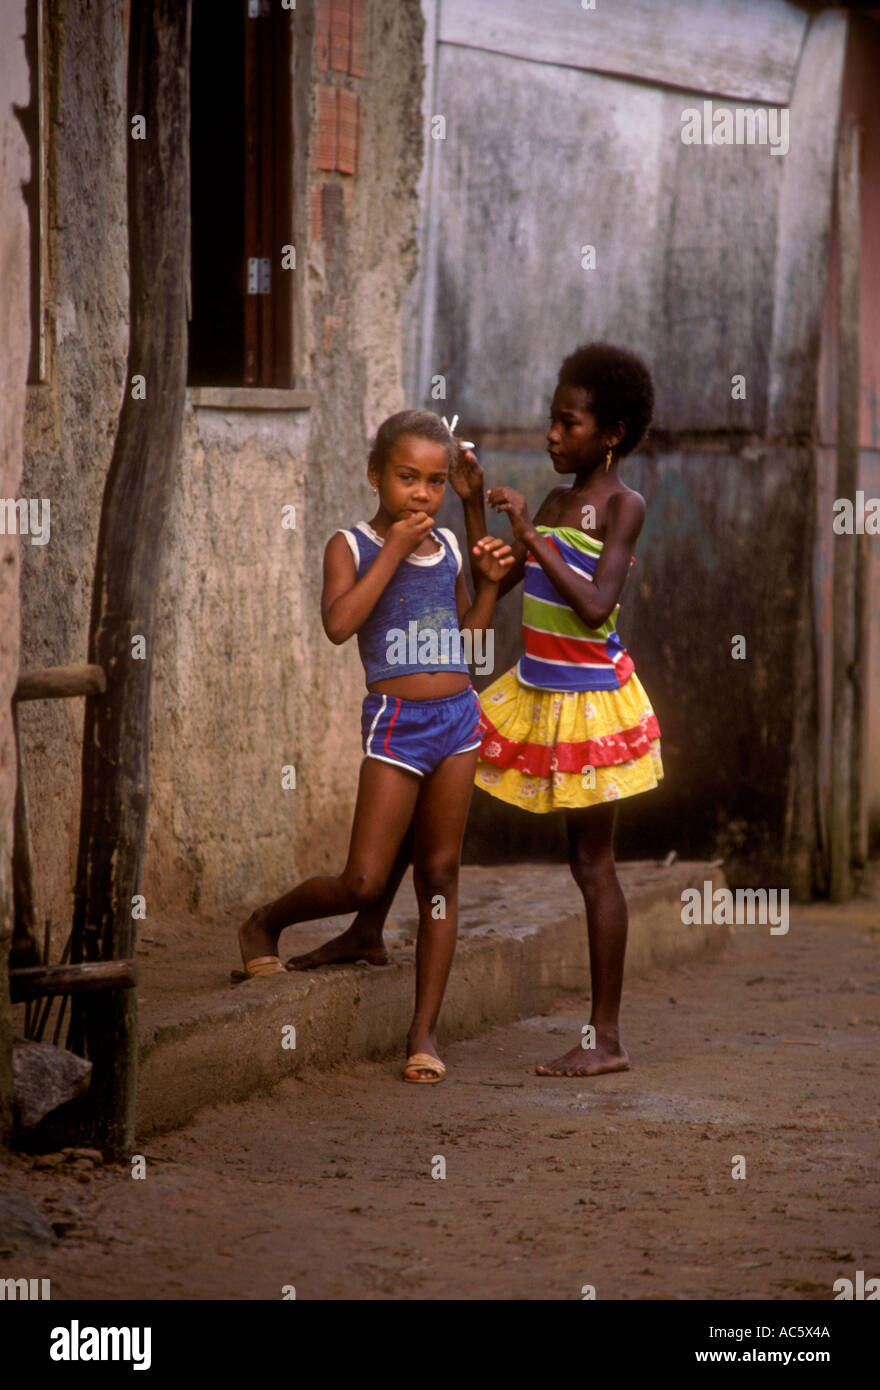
x: 40, y: 980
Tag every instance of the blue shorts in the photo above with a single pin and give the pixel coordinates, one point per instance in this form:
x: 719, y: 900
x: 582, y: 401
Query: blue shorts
x: 418, y: 734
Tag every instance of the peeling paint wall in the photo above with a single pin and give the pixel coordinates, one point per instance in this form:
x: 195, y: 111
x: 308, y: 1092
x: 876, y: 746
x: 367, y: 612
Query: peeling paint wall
x: 14, y: 324
x: 710, y: 261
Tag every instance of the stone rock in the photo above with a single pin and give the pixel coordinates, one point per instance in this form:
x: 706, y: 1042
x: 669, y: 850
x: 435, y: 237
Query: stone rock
x: 72, y: 1154
x: 49, y: 1161
x: 44, y: 1077
x: 20, y: 1221
x: 65, y: 1225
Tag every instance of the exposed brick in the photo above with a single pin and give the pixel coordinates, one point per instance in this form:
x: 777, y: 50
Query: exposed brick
x: 333, y: 323
x: 326, y: 133
x: 322, y: 35
x: 331, y: 212
x: 316, y: 220
x: 347, y: 139
x: 348, y: 195
x: 357, y: 58
x: 340, y: 24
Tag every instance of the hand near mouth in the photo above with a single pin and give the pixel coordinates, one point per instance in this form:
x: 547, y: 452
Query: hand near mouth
x: 407, y: 534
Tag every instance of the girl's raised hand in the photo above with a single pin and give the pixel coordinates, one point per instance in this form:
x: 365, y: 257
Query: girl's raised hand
x: 466, y: 475
x: 506, y: 499
x: 493, y: 558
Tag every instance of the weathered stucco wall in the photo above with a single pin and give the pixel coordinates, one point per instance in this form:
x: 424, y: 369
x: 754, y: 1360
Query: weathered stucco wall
x: 14, y: 329
x: 71, y: 416
x: 245, y: 681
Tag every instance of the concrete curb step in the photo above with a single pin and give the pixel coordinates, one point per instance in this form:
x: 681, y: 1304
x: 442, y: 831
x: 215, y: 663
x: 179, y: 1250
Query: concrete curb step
x: 229, y: 1044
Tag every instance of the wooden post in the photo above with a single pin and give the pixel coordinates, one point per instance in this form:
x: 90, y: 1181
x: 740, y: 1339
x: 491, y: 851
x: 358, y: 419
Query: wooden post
x: 133, y: 513
x: 861, y: 711
x: 847, y: 715
x: 861, y: 669
x: 25, y: 951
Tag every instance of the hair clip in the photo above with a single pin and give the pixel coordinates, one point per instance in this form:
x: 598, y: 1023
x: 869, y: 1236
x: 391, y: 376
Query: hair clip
x: 462, y: 443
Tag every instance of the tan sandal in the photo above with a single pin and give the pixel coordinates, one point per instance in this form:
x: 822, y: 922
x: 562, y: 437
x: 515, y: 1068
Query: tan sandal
x: 423, y: 1061
x: 260, y: 965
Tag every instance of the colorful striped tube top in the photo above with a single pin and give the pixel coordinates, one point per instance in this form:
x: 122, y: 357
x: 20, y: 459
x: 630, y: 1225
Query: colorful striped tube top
x: 561, y: 652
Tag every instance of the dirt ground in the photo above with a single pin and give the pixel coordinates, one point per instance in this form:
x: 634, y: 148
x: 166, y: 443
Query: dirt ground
x: 623, y: 1182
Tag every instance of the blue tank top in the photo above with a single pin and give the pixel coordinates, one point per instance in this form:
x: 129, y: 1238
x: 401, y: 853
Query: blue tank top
x: 414, y: 626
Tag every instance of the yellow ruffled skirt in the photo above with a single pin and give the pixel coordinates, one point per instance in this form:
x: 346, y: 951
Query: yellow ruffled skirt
x: 547, y: 750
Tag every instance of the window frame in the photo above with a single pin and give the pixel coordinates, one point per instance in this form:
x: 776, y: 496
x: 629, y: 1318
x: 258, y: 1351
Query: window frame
x: 266, y: 353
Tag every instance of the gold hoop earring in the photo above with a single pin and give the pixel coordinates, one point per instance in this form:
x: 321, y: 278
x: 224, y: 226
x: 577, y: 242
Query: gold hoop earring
x: 607, y: 458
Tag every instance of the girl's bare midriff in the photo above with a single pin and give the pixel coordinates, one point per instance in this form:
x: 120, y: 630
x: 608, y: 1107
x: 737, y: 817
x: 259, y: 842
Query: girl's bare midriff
x: 431, y: 685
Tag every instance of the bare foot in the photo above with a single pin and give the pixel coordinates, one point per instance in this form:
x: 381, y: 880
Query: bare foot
x: 255, y: 939
x: 426, y: 1042
x: 346, y: 947
x: 607, y: 1055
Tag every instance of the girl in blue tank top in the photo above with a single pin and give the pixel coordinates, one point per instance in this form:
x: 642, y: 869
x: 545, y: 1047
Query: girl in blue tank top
x: 398, y: 584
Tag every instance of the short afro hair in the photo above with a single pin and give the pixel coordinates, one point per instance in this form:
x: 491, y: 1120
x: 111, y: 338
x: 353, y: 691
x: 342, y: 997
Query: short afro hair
x: 619, y: 385
x: 424, y: 424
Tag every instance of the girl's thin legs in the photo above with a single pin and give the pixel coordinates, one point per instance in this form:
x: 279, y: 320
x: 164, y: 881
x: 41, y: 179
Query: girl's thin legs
x: 385, y: 801
x: 591, y: 858
x: 362, y: 940
x: 440, y: 819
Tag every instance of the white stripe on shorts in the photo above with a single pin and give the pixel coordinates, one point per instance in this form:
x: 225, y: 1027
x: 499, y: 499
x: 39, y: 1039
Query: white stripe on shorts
x: 379, y: 713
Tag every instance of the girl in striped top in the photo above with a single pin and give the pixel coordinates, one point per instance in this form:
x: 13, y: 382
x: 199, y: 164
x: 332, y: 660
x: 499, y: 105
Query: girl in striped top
x: 570, y: 727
